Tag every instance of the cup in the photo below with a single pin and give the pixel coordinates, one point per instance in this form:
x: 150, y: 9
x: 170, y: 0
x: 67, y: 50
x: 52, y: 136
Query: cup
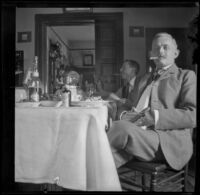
x: 66, y: 99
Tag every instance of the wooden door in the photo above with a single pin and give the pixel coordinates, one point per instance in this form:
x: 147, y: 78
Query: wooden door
x: 109, y: 51
x: 180, y: 35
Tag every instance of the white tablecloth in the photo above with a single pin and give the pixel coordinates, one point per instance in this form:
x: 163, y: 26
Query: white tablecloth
x: 67, y: 146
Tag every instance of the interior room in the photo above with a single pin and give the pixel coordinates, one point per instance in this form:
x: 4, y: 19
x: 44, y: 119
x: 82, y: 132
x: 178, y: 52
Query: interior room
x: 71, y: 59
x: 139, y: 20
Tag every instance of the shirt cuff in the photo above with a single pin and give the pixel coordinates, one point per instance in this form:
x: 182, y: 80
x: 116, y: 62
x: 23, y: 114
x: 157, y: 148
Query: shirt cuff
x: 156, y: 114
x: 120, y: 117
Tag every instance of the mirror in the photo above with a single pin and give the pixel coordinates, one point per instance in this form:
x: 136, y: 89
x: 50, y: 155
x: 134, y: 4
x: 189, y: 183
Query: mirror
x: 70, y: 47
x: 108, y: 46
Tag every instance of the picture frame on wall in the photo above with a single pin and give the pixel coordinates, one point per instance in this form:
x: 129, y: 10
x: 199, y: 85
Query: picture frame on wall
x: 24, y: 37
x: 136, y: 31
x: 88, y: 60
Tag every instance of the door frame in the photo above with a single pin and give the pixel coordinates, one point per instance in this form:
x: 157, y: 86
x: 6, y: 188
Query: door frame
x: 42, y: 21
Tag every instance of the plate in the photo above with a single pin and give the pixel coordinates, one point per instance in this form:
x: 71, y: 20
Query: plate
x: 89, y: 103
x: 27, y: 104
x: 48, y: 103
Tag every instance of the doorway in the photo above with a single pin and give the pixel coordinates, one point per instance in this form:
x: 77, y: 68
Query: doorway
x: 70, y: 47
x: 108, y: 44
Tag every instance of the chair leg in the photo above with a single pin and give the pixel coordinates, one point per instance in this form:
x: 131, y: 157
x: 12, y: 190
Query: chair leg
x: 185, y: 175
x: 153, y: 182
x: 143, y: 182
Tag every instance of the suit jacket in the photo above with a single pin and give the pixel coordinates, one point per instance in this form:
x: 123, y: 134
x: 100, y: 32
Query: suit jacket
x: 174, y: 96
x: 123, y: 91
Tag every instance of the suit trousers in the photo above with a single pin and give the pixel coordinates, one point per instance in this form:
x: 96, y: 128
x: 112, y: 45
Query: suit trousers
x: 129, y: 141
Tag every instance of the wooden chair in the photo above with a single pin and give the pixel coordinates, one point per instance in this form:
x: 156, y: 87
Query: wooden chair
x: 149, y: 176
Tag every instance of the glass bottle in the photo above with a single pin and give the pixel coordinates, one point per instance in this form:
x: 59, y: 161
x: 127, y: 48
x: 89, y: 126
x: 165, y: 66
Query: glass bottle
x: 34, y: 89
x: 71, y: 84
x: 67, y: 88
x: 66, y: 97
x: 27, y: 82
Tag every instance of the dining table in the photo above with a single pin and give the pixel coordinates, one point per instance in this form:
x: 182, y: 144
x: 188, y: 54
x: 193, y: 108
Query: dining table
x: 66, y: 146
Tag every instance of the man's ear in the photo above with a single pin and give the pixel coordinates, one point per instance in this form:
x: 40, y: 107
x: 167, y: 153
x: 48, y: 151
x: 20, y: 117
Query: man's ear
x: 176, y: 53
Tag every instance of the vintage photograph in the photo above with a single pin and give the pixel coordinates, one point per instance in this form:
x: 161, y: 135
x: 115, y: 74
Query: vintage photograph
x: 104, y: 97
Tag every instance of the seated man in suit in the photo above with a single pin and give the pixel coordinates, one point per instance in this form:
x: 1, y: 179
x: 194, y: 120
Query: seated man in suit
x: 129, y: 71
x: 155, y: 123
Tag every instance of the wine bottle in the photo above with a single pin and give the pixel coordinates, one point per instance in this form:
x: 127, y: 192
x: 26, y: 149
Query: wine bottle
x: 35, y: 84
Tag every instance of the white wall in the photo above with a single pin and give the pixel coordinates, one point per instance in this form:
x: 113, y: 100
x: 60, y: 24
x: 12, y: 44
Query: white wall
x: 134, y: 48
x: 25, y: 21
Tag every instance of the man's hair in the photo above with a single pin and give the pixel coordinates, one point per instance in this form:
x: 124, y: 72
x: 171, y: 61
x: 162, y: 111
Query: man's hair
x: 133, y: 64
x: 164, y: 34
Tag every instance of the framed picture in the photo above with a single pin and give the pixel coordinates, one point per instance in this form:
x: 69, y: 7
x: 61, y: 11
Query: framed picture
x: 136, y: 31
x: 88, y: 60
x: 83, y: 9
x: 24, y: 37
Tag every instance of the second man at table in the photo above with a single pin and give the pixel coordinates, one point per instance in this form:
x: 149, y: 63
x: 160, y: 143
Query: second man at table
x: 129, y: 72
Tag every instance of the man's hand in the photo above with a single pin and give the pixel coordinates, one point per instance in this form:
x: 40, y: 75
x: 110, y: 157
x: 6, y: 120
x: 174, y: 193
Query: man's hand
x: 143, y: 118
x: 122, y: 100
x: 146, y: 120
x: 143, y: 121
x: 131, y: 116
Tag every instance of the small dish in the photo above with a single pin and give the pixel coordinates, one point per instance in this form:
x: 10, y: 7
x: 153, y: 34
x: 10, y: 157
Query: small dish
x: 27, y: 104
x: 88, y: 103
x: 48, y: 103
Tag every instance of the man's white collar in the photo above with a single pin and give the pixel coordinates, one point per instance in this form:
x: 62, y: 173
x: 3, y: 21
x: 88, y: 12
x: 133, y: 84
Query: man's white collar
x: 132, y: 81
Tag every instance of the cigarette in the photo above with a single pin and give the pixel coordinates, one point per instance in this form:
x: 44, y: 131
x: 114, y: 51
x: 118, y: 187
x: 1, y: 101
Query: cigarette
x: 153, y: 58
